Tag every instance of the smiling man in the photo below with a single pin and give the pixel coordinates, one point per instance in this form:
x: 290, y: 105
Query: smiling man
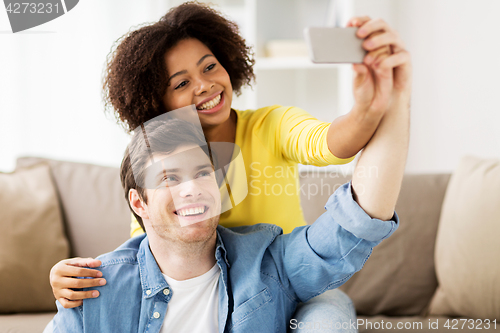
x: 188, y: 274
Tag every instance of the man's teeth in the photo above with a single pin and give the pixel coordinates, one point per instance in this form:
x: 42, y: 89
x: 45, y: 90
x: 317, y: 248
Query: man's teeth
x: 210, y: 104
x: 191, y: 211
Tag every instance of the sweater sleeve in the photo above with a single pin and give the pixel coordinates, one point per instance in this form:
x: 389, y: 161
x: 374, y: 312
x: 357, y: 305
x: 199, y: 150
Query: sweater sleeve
x: 297, y: 136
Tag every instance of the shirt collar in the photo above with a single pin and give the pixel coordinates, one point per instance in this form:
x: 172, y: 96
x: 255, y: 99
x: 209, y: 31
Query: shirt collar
x: 152, y: 280
x: 220, y: 249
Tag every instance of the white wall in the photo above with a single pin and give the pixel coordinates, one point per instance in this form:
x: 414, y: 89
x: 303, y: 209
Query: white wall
x: 455, y: 53
x: 50, y: 83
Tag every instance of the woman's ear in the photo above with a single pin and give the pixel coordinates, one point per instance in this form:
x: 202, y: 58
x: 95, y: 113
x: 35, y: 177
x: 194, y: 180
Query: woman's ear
x: 137, y: 204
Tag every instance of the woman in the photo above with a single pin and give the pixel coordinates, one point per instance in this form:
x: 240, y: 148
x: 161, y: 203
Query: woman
x: 193, y: 55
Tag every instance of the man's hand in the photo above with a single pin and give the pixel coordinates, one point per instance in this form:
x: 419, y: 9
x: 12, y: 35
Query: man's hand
x: 63, y: 278
x: 378, y: 175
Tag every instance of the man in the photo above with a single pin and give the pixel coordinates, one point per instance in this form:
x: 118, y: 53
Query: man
x: 242, y: 280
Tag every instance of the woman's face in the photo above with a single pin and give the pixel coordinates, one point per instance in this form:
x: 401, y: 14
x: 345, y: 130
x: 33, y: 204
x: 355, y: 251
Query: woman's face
x: 196, y: 77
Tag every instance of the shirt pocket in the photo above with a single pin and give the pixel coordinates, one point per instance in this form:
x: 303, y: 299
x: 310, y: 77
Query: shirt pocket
x: 250, y: 306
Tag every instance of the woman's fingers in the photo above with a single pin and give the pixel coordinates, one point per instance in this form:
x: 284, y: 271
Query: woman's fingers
x: 378, y: 33
x: 373, y: 56
x: 69, y: 282
x: 380, y: 39
x: 68, y: 304
x: 63, y: 280
x: 72, y: 295
x: 83, y: 262
x: 70, y: 271
x: 358, y: 21
x: 371, y: 26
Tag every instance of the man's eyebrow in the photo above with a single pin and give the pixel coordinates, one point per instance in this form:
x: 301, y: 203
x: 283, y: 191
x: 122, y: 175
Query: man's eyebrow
x: 185, y: 71
x: 174, y: 170
x: 204, y: 166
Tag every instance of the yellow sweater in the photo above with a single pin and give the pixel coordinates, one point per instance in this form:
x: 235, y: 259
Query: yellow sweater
x: 273, y: 140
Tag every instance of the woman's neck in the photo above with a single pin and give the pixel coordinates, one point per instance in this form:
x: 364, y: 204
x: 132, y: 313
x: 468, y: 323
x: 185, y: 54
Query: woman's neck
x: 225, y: 132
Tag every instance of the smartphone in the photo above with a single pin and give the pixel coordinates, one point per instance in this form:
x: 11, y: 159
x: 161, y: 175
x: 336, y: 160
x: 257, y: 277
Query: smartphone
x: 334, y: 45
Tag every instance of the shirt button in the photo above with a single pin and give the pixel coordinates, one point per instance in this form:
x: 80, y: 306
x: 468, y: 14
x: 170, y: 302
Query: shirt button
x: 166, y: 291
x: 156, y: 315
x: 148, y: 292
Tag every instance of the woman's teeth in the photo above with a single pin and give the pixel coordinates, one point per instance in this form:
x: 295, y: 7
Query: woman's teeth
x: 210, y: 104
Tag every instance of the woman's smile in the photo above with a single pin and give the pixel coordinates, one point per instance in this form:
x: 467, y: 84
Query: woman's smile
x: 213, y: 105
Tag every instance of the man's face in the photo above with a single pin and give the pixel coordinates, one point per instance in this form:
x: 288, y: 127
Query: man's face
x: 183, y: 196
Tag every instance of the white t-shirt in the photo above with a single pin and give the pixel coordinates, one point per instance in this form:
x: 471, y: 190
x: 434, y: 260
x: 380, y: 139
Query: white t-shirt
x: 194, y: 306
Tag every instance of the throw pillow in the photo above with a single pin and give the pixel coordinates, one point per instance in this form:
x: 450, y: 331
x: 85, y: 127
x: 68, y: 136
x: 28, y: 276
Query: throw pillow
x: 467, y: 245
x: 32, y: 240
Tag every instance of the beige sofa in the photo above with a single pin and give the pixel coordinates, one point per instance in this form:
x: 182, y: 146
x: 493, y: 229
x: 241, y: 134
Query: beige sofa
x: 394, y: 288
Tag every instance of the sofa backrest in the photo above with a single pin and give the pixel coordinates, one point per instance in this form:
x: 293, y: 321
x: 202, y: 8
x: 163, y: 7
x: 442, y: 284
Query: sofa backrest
x: 398, y: 278
x: 95, y: 213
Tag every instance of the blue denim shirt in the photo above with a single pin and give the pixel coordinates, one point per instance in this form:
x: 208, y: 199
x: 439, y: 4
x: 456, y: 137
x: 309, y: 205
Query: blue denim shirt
x: 264, y: 274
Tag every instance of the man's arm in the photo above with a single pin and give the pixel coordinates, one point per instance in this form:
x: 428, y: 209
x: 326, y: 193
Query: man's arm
x: 379, y: 172
x: 67, y: 320
x: 324, y: 255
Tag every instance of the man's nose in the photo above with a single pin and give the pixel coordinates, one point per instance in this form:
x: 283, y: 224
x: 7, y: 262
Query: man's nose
x: 189, y: 189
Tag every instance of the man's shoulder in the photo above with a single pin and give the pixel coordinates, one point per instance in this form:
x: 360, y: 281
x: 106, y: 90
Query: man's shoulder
x: 124, y: 254
x: 258, y: 235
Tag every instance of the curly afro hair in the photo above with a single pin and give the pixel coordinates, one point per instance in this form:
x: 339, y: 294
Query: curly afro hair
x: 135, y: 79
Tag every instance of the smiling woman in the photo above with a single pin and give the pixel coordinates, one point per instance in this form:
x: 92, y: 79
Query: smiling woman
x: 201, y: 80
x: 135, y: 83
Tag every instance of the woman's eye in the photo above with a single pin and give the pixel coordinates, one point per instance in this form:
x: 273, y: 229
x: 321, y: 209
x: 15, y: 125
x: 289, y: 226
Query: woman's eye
x: 180, y: 85
x: 209, y: 67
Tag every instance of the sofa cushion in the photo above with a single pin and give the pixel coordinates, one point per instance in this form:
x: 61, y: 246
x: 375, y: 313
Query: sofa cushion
x: 32, y: 240
x: 95, y: 213
x: 467, y: 245
x: 25, y: 323
x: 399, y: 277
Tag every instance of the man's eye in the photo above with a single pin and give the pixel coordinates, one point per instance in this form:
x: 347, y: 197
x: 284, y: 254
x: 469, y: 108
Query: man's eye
x: 209, y: 67
x: 169, y: 179
x: 180, y: 85
x: 204, y: 174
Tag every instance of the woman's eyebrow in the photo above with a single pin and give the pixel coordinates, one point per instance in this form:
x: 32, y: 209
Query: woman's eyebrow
x: 185, y: 71
x: 203, y: 58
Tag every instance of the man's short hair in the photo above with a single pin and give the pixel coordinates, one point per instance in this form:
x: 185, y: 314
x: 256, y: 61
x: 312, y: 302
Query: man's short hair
x: 163, y: 136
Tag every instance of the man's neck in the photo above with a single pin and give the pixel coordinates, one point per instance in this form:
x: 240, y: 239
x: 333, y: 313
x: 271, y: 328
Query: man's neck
x: 183, y: 261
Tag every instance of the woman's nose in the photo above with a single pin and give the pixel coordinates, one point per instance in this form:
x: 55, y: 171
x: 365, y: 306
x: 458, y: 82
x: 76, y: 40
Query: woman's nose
x: 203, y: 86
